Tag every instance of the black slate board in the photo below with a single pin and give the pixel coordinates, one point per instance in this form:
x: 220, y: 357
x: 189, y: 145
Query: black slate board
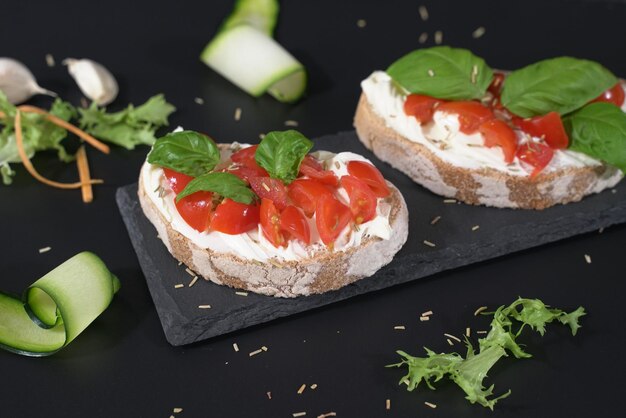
x: 501, y: 231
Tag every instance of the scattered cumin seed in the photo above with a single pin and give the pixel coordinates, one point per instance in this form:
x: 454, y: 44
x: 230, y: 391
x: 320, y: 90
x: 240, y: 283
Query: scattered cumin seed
x: 478, y: 32
x: 269, y: 395
x: 199, y: 100
x: 235, y: 347
x: 204, y: 306
x: 468, y: 332
x: 479, y: 310
x: 291, y: 123
x: 337, y: 165
x: 429, y: 244
x: 298, y: 414
x: 241, y: 293
x: 481, y: 332
x: 475, y: 227
x: 424, y: 318
x: 423, y: 38
x: 588, y: 258
x: 601, y: 230
x: 431, y: 73
x: 255, y: 352
x: 427, y: 313
x: 44, y: 250
x: 264, y: 348
x: 438, y: 37
x: 423, y: 11
x: 435, y: 220
x: 193, y: 281
x: 265, y: 186
x: 178, y: 410
x: 430, y: 405
x: 238, y: 114
x: 50, y: 60
x: 361, y: 23
x: 399, y: 327
x: 453, y: 337
x: 474, y: 74
x: 189, y: 272
x: 449, y: 342
x: 180, y: 263
x: 613, y: 191
x: 313, y: 386
x: 327, y: 414
x: 178, y: 286
x: 449, y: 200
x: 301, y: 389
x: 261, y: 136
x: 387, y: 404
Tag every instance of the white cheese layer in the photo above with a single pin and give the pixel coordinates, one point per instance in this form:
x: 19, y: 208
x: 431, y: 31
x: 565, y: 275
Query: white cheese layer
x: 443, y: 137
x: 253, y: 245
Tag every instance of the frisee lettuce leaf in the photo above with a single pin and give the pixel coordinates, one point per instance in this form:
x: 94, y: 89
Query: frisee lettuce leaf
x: 469, y: 372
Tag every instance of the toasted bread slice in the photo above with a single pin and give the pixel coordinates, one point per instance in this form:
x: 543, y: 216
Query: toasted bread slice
x: 484, y: 186
x: 324, y: 271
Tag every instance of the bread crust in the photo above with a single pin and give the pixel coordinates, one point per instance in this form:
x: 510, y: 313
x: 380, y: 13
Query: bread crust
x: 484, y: 186
x: 323, y: 272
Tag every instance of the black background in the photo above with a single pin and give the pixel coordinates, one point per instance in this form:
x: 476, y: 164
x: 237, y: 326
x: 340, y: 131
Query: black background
x: 122, y: 365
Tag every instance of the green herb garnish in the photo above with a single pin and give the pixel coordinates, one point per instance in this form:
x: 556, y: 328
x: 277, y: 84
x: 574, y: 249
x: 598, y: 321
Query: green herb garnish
x: 599, y: 130
x: 281, y: 153
x: 186, y: 152
x: 442, y: 72
x: 469, y: 372
x: 224, y: 184
x: 561, y: 85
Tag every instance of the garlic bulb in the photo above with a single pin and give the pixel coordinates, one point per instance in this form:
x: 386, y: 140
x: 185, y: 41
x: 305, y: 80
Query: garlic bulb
x: 17, y: 82
x: 95, y: 81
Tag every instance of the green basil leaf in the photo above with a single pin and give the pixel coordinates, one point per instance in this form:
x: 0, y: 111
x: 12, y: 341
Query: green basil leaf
x: 561, y: 84
x: 187, y: 152
x: 599, y: 130
x: 225, y: 184
x: 442, y: 72
x: 281, y: 153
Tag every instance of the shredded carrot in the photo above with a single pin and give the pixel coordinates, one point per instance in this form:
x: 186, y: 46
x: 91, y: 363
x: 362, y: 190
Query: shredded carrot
x: 29, y: 166
x: 83, y: 173
x: 73, y: 129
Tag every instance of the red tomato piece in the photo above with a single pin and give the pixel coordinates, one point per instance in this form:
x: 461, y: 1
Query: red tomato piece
x: 471, y: 114
x: 311, y: 168
x: 270, y: 224
x: 497, y: 133
x: 495, y: 87
x: 331, y: 217
x: 295, y: 224
x: 245, y: 166
x: 421, y: 107
x: 177, y: 181
x: 245, y: 156
x: 370, y: 175
x: 613, y: 95
x: 362, y: 199
x: 537, y: 155
x: 234, y: 218
x: 548, y: 127
x: 195, y: 209
x: 304, y: 193
x: 245, y: 172
x: 272, y: 189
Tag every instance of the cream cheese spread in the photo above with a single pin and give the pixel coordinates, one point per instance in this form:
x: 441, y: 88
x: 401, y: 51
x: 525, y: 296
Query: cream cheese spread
x: 253, y: 245
x: 443, y: 137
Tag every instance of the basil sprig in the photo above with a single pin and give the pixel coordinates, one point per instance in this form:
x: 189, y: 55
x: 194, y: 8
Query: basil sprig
x: 186, y: 152
x: 280, y: 153
x: 561, y: 85
x: 442, y: 72
x: 225, y: 184
x: 599, y: 130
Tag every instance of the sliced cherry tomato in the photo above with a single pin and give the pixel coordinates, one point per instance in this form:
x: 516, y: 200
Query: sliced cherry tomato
x: 370, y: 175
x: 245, y: 166
x: 613, y: 95
x: 245, y: 172
x: 270, y: 223
x: 177, y: 181
x: 195, y: 209
x: 471, y: 114
x: 234, y: 218
x: 311, y: 168
x: 245, y: 156
x: 295, y: 224
x: 362, y: 199
x: 548, y: 127
x: 537, y: 155
x: 331, y: 217
x: 497, y: 133
x: 421, y: 107
x: 272, y: 189
x: 304, y: 193
x: 495, y: 87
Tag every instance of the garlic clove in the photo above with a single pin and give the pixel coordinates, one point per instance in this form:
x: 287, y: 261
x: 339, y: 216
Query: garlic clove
x: 18, y: 83
x: 93, y: 79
